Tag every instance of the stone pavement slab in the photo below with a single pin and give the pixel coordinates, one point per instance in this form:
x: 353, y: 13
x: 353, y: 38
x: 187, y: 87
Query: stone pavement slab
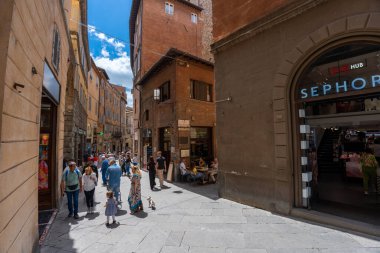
x: 192, y: 219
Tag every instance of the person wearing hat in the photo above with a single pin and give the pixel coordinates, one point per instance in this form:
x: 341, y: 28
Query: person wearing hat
x: 113, y: 175
x: 71, y: 183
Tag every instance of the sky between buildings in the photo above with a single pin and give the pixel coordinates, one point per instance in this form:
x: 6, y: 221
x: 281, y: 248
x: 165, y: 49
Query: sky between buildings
x: 108, y: 32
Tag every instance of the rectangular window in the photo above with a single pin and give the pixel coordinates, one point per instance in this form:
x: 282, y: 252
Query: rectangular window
x: 147, y: 115
x: 89, y: 104
x: 194, y: 18
x: 169, y: 8
x: 96, y: 108
x: 200, y: 90
x: 165, y: 91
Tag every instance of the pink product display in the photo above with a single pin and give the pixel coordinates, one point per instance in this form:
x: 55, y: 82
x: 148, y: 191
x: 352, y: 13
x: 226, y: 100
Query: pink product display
x: 353, y: 166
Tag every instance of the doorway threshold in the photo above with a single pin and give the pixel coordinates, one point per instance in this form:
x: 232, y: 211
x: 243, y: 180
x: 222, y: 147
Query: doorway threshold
x: 337, y: 222
x: 45, y: 219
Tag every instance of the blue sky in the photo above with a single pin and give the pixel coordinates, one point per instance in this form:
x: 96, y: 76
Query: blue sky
x: 109, y: 39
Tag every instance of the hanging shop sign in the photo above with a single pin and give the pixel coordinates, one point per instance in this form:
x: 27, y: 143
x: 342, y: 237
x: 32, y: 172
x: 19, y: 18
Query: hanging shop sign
x: 345, y: 86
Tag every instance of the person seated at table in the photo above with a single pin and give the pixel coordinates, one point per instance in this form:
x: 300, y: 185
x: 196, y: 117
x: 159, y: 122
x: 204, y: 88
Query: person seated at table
x: 184, y: 172
x: 213, y: 170
x: 195, y: 175
x: 202, y: 162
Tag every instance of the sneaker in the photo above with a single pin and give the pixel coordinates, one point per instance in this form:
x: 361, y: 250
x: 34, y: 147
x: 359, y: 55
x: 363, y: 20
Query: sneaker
x: 70, y: 215
x: 76, y: 216
x: 114, y: 222
x: 107, y: 224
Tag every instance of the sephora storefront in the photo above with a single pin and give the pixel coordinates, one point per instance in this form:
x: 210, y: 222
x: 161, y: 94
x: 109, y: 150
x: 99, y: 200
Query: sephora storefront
x: 338, y: 111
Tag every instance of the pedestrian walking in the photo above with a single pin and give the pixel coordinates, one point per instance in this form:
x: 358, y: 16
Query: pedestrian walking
x: 128, y: 165
x: 89, y: 184
x: 113, y: 175
x: 160, y: 167
x: 104, y: 169
x: 134, y: 197
x: 135, y: 160
x: 369, y: 167
x: 71, y: 183
x: 152, y: 172
x: 111, y: 208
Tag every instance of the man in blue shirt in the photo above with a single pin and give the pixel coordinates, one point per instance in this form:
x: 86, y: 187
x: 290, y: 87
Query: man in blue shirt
x: 114, y: 174
x: 104, y: 169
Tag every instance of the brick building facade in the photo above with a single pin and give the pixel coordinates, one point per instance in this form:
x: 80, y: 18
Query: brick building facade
x: 182, y: 26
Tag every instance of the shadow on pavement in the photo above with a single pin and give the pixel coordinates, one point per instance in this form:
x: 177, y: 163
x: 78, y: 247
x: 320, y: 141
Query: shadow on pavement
x: 121, y: 212
x: 207, y: 190
x: 141, y: 214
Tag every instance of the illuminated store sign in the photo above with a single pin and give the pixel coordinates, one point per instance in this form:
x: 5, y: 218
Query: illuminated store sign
x: 356, y: 84
x: 347, y: 67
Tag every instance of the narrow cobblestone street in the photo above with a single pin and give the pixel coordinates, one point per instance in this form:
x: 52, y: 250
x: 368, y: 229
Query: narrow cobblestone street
x: 191, y: 218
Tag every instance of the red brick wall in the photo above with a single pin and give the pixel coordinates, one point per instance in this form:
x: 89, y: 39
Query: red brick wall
x: 230, y: 16
x: 162, y: 31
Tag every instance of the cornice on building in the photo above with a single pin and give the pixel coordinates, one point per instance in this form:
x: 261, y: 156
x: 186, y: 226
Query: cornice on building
x: 281, y: 15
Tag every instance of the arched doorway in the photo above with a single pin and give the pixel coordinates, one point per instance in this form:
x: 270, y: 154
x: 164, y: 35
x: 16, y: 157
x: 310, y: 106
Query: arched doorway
x: 336, y: 106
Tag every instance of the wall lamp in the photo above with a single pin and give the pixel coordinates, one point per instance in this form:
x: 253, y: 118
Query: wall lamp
x: 228, y: 99
x: 156, y: 95
x: 34, y: 71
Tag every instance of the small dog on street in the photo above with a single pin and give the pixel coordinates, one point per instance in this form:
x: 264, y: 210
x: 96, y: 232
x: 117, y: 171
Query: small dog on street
x: 151, y: 203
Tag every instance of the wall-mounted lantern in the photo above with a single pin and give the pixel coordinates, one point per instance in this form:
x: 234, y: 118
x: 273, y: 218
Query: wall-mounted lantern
x: 156, y: 94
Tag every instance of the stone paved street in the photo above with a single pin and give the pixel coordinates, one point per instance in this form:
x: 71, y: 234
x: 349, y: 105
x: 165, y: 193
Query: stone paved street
x: 191, y: 218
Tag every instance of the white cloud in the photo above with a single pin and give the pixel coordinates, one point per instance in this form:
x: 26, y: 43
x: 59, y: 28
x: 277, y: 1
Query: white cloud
x: 118, y: 68
x: 105, y: 53
x: 119, y: 71
x: 117, y: 44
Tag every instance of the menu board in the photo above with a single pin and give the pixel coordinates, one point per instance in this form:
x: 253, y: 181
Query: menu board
x: 43, y: 168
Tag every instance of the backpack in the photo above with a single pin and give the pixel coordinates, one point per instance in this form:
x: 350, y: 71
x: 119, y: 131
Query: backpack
x: 76, y: 171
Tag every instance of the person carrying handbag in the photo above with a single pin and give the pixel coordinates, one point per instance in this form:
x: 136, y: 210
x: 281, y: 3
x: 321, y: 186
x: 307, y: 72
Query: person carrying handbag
x: 89, y: 183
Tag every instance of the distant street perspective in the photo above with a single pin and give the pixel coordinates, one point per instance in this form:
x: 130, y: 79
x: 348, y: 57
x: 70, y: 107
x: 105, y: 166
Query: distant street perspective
x: 190, y: 126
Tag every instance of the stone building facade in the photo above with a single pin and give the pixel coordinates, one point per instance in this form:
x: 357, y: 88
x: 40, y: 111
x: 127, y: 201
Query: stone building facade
x: 35, y: 48
x: 274, y: 64
x: 77, y: 88
x: 93, y: 109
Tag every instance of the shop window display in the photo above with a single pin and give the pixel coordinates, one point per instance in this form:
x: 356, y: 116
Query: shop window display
x: 340, y: 94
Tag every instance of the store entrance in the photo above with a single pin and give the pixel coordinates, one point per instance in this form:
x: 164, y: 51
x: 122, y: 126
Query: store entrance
x: 339, y: 184
x: 165, y: 143
x: 47, y: 154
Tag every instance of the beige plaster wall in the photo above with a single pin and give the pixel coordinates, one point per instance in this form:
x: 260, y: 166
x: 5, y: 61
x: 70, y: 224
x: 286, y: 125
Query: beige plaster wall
x: 29, y: 43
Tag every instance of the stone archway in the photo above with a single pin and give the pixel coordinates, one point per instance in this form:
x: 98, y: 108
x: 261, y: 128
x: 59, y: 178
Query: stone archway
x: 286, y: 156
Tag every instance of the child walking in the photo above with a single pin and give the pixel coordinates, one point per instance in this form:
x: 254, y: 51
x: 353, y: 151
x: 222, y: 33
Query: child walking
x: 89, y: 182
x: 111, y: 208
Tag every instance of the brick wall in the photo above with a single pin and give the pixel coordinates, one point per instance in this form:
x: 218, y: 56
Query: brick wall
x: 230, y: 16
